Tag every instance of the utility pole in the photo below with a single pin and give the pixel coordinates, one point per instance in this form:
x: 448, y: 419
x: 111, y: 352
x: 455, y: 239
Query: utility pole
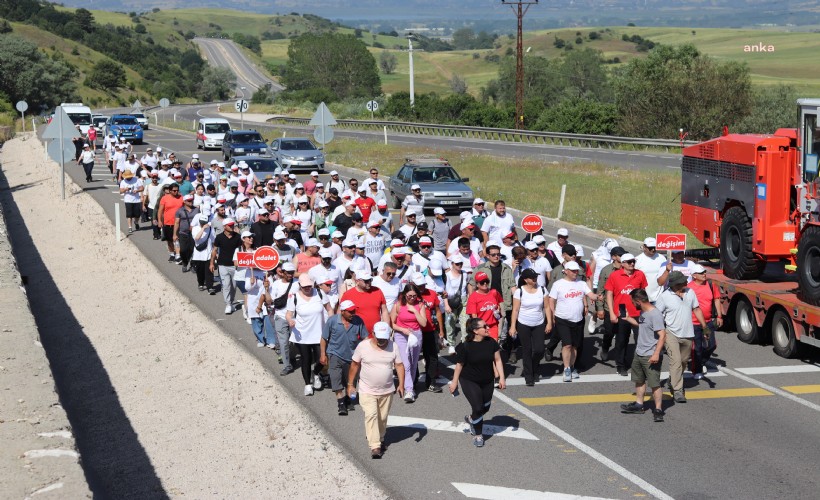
x: 410, y: 37
x: 520, y: 8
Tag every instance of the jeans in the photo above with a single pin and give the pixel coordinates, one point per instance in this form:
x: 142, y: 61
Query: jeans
x: 226, y: 274
x: 88, y: 167
x: 154, y: 227
x: 409, y: 359
x: 283, y: 336
x: 532, y: 348
x: 622, y: 332
x: 376, y: 410
x: 258, y: 327
x: 678, y: 350
x: 702, y: 351
x: 429, y: 350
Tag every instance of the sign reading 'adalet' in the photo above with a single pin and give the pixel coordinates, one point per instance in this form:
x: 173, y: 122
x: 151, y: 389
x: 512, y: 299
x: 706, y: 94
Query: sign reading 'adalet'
x: 531, y: 223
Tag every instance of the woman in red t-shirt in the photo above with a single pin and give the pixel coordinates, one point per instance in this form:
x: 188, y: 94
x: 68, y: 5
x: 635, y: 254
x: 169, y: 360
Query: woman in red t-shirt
x: 485, y: 303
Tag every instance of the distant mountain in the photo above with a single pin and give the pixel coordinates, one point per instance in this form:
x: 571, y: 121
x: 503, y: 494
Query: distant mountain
x: 565, y: 12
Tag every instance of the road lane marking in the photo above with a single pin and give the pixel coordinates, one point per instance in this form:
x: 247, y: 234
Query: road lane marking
x: 614, y: 377
x: 625, y: 398
x: 579, y: 445
x: 774, y: 370
x: 802, y: 389
x: 779, y: 392
x: 487, y: 492
x: 460, y: 427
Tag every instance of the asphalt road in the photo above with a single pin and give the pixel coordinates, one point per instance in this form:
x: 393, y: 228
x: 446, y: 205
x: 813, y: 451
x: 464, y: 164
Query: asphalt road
x: 748, y: 431
x: 225, y: 54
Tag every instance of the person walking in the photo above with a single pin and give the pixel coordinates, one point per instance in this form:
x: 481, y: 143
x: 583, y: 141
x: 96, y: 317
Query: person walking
x: 530, y: 323
x: 340, y: 336
x: 373, y: 362
x: 203, y: 234
x: 601, y: 307
x: 306, y: 318
x: 372, y: 307
x: 409, y: 316
x: 455, y: 289
x: 131, y: 189
x: 151, y: 196
x: 477, y: 359
x: 618, y: 287
x: 183, y: 239
x: 225, y: 244
x: 646, y: 365
x: 280, y: 292
x: 86, y: 159
x: 166, y: 217
x: 567, y: 306
x: 709, y: 302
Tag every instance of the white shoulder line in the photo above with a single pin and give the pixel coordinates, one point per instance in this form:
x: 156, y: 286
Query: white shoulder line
x: 774, y: 370
x: 776, y: 390
x: 485, y: 492
x: 460, y: 427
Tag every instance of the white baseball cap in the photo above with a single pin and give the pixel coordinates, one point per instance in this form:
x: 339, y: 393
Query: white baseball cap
x: 627, y: 256
x: 414, y: 186
x: 312, y: 242
x: 563, y: 232
x: 314, y: 174
x: 195, y: 156
x: 381, y: 331
x: 697, y: 269
x: 572, y: 266
x: 456, y: 258
x: 418, y: 279
x: 539, y: 239
x: 289, y: 266
x: 323, y: 232
x: 364, y: 274
x: 333, y: 172
x: 439, y: 211
x: 347, y: 305
x: 337, y: 234
x: 279, y: 234
x: 245, y: 234
x: 478, y: 201
x: 531, y: 245
x: 435, y: 267
x: 650, y: 242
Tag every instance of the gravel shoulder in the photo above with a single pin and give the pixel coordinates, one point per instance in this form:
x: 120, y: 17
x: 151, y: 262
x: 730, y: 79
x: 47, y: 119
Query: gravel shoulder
x: 162, y: 401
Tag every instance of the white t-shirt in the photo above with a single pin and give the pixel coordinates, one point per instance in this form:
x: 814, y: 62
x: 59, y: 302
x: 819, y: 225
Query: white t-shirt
x: 542, y: 266
x: 475, y: 246
x: 651, y: 267
x: 569, y: 296
x: 421, y: 263
x: 496, y: 226
x: 255, y: 292
x: 457, y: 285
x: 407, y: 230
x: 87, y: 156
x: 333, y: 273
x: 390, y: 289
x: 207, y: 236
x: 131, y: 195
x: 278, y: 289
x: 310, y: 317
x: 687, y: 267
x: 531, y: 312
x: 342, y: 263
x: 374, y: 247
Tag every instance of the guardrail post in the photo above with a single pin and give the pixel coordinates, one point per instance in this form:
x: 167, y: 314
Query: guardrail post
x: 117, y: 224
x: 385, y: 135
x: 561, y: 202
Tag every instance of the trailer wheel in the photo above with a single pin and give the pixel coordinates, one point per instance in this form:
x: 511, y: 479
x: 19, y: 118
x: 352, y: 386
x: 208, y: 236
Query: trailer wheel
x: 808, y: 265
x: 783, y: 338
x: 736, y: 257
x: 746, y: 323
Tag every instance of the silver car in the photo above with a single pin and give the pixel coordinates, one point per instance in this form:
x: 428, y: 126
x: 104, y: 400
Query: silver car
x: 297, y: 153
x: 440, y: 184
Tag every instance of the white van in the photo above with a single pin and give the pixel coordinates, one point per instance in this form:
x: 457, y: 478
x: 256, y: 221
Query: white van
x: 79, y: 113
x: 210, y: 132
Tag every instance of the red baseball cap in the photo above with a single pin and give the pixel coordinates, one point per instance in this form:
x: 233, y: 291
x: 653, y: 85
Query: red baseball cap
x: 482, y: 276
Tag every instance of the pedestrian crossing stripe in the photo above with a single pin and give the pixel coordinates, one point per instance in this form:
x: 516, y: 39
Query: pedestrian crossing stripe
x: 745, y: 392
x: 488, y: 492
x: 460, y: 427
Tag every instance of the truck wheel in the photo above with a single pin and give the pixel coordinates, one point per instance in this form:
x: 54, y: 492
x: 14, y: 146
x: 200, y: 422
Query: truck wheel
x: 745, y: 322
x: 783, y: 339
x: 736, y: 257
x: 808, y: 266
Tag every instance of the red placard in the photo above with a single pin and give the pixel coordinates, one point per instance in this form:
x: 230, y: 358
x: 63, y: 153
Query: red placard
x: 266, y: 258
x: 670, y: 241
x: 244, y: 259
x: 531, y: 223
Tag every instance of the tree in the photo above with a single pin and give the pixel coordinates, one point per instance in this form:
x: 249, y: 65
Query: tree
x: 26, y: 74
x: 264, y: 95
x: 458, y: 85
x: 464, y: 39
x: 677, y: 87
x: 579, y: 116
x: 140, y: 29
x: 85, y: 19
x: 583, y: 74
x: 772, y: 108
x: 216, y: 84
x: 336, y: 62
x: 5, y: 27
x: 387, y: 62
x: 107, y: 75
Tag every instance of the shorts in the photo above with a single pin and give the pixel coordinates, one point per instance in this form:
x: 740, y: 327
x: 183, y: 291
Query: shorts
x: 337, y: 369
x: 643, y: 372
x: 133, y: 210
x: 570, y: 332
x: 168, y: 232
x: 241, y: 286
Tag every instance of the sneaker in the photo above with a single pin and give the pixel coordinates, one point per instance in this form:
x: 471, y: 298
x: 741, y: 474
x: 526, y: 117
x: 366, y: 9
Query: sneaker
x: 201, y: 288
x: 622, y: 371
x: 342, y: 408
x: 604, y: 355
x: 567, y: 375
x: 260, y: 344
x: 130, y: 230
x: 248, y: 321
x: 171, y: 258
x: 434, y: 388
x: 211, y: 291
x: 451, y: 350
x: 591, y: 325
x: 308, y: 390
x: 350, y: 405
x: 575, y: 374
x: 478, y: 441
x: 137, y: 226
x: 270, y: 346
x: 530, y: 383
x: 185, y: 269
x: 376, y: 454
x: 409, y: 397
x: 317, y: 382
x: 657, y: 415
x: 548, y: 356
x: 633, y: 407
x: 178, y: 260
x: 680, y: 397
x: 286, y: 371
x: 228, y: 309
x: 536, y: 378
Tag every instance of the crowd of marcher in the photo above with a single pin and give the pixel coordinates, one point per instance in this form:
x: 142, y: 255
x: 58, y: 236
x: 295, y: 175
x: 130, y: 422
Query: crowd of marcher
x: 362, y: 297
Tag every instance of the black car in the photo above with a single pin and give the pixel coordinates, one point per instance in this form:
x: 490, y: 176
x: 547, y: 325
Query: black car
x: 260, y: 165
x: 243, y: 143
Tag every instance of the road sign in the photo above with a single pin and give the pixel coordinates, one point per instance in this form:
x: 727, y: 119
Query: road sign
x: 61, y: 152
x: 322, y: 117
x: 670, y: 241
x: 531, y: 223
x: 323, y: 135
x: 21, y: 106
x: 241, y: 105
x: 164, y: 103
x: 61, y: 122
x: 137, y: 104
x: 244, y: 259
x: 372, y: 106
x: 266, y: 258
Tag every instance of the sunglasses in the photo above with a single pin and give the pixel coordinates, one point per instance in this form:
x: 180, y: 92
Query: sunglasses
x: 389, y: 275
x: 264, y: 215
x: 367, y: 281
x: 493, y: 255
x: 628, y: 262
x: 411, y: 296
x: 458, y: 263
x: 485, y: 282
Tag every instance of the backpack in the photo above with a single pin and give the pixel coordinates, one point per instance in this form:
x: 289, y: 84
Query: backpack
x: 553, y: 260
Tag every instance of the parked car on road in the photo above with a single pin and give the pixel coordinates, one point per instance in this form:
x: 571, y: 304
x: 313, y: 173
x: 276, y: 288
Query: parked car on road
x: 99, y: 122
x: 210, y: 132
x: 298, y: 153
x: 243, y: 143
x: 440, y: 184
x: 141, y: 119
x: 125, y: 126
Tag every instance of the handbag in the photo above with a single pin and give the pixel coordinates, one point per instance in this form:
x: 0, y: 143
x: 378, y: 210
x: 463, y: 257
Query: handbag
x: 202, y: 246
x: 455, y: 301
x: 281, y: 301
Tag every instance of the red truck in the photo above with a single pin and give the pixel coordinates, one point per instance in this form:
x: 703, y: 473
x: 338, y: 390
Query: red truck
x: 757, y: 198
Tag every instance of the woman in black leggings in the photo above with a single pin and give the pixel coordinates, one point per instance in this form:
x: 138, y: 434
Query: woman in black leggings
x: 475, y: 358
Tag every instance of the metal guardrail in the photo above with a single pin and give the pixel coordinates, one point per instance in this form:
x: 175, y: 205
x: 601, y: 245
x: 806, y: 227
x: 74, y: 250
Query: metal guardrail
x: 502, y: 134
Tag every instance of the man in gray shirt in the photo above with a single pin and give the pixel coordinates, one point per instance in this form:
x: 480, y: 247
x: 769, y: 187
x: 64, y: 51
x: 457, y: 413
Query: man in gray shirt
x: 646, y: 364
x: 678, y: 303
x: 340, y: 336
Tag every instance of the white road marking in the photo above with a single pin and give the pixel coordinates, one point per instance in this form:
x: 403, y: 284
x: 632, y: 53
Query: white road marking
x: 460, y: 427
x: 56, y: 434
x: 613, y: 377
x: 770, y: 388
x: 51, y: 453
x: 486, y: 492
x: 774, y: 370
x: 51, y: 487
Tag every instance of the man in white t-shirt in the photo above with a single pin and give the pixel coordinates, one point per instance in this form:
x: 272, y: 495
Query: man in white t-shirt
x: 538, y: 263
x: 426, y: 254
x: 284, y: 286
x: 468, y: 229
x: 651, y: 263
x: 326, y: 269
x: 678, y: 263
x: 389, y: 283
x: 498, y: 223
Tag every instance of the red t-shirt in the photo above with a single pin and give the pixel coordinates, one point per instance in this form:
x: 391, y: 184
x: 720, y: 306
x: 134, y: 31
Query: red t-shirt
x: 485, y: 306
x: 432, y: 302
x: 706, y: 298
x: 172, y: 204
x: 368, y: 304
x: 620, y: 285
x: 365, y: 207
